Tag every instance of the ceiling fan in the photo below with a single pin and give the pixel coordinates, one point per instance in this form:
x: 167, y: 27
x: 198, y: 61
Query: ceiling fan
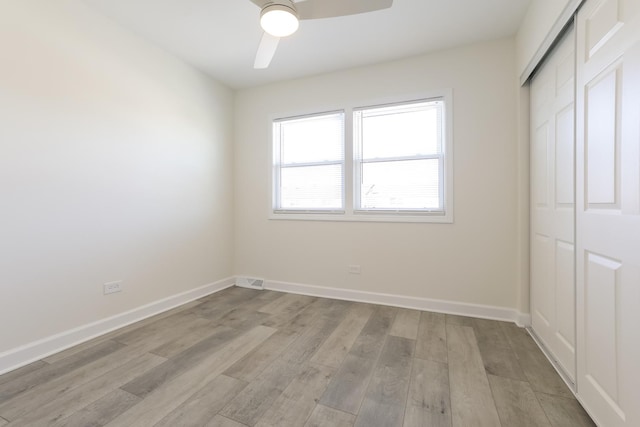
x: 279, y: 18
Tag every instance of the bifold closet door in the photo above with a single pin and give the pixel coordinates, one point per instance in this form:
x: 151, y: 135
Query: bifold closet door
x: 608, y: 210
x: 552, y: 204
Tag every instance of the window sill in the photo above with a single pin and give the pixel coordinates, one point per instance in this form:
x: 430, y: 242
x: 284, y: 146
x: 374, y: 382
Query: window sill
x: 437, y: 218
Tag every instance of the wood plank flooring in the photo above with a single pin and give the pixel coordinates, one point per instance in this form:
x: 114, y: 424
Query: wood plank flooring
x: 243, y: 357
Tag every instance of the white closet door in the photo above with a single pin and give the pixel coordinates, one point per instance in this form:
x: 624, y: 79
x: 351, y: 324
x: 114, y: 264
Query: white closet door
x: 608, y: 210
x: 552, y: 204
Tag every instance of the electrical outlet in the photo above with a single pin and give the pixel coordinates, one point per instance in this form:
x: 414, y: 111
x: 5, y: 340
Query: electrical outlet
x: 354, y: 269
x: 112, y: 287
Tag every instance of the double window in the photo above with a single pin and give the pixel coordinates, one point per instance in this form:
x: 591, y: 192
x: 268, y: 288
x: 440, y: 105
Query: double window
x: 397, y: 165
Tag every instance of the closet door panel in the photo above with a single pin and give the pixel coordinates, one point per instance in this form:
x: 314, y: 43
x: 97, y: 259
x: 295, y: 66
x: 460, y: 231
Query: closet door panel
x: 608, y: 210
x: 566, y: 298
x: 552, y: 205
x: 565, y: 154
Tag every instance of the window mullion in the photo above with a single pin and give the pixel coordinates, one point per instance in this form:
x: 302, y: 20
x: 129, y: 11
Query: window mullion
x: 347, y: 166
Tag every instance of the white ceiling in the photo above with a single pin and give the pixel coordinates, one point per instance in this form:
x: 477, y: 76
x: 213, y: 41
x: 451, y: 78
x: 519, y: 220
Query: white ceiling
x: 220, y: 37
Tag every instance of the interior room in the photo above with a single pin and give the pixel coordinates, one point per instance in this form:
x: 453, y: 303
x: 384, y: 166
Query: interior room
x: 164, y: 263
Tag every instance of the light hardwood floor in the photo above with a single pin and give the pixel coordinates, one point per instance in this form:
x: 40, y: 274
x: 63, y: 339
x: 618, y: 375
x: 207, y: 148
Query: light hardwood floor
x: 243, y: 357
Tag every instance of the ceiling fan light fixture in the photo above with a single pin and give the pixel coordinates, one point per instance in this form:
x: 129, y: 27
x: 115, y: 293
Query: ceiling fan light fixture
x: 279, y: 20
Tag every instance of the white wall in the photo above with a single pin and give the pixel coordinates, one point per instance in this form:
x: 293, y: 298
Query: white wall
x: 536, y: 26
x: 115, y: 164
x: 473, y: 260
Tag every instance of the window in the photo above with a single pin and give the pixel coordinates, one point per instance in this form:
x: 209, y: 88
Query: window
x: 385, y: 162
x: 308, y: 163
x: 399, y: 158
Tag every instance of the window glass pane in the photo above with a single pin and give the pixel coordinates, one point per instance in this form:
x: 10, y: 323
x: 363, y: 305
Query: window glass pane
x: 399, y: 131
x: 407, y: 184
x: 312, y: 139
x: 311, y: 187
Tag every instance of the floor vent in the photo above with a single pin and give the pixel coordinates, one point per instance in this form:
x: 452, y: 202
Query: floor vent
x: 250, y: 282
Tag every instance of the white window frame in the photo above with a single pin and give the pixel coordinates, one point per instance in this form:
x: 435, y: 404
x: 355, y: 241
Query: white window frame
x: 358, y: 162
x: 276, y: 145
x: 350, y: 178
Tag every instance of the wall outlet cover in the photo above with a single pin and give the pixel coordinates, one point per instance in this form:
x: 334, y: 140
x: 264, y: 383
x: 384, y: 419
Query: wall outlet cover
x: 112, y: 287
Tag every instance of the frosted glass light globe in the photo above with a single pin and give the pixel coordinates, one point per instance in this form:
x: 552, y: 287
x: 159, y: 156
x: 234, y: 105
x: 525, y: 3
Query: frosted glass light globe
x: 279, y: 20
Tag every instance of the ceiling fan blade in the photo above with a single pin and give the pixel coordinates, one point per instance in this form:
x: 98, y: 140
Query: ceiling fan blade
x: 260, y: 3
x: 316, y: 9
x: 266, y: 50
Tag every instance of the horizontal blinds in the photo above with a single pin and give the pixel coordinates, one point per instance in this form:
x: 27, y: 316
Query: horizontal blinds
x: 309, y: 163
x: 400, y: 157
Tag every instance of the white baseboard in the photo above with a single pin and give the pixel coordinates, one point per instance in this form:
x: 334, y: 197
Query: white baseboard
x: 425, y: 304
x: 523, y: 320
x: 552, y: 359
x: 18, y: 357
